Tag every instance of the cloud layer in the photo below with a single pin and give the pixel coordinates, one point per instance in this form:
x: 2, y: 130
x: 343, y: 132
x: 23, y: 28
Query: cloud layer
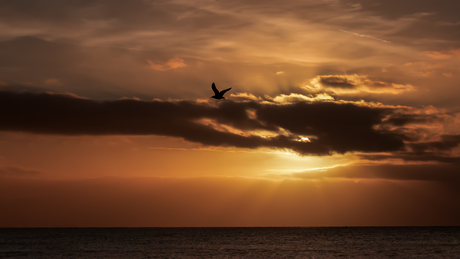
x: 318, y: 128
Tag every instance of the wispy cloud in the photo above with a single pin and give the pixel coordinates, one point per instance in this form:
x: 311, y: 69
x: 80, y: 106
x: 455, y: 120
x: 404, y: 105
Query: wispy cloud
x: 365, y: 36
x: 170, y: 64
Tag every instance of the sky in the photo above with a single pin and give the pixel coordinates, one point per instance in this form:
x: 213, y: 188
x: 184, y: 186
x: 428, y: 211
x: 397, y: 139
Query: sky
x: 340, y: 113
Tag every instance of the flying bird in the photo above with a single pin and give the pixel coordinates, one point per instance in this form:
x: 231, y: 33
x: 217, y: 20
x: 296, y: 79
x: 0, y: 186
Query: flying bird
x: 217, y: 94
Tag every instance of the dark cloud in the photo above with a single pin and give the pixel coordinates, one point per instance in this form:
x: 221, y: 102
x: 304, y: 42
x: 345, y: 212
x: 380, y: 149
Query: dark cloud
x: 422, y: 144
x: 331, y: 127
x: 342, y: 126
x: 446, y: 144
x: 428, y: 172
x: 414, y: 157
x: 337, y: 82
x: 401, y: 119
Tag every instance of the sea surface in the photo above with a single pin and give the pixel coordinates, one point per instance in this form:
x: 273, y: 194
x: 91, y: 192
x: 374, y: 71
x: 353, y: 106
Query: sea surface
x: 324, y: 242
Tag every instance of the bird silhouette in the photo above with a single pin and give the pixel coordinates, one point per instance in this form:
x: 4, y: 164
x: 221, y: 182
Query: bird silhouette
x: 217, y: 94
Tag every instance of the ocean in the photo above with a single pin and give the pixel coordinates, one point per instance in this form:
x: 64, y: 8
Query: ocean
x: 290, y: 242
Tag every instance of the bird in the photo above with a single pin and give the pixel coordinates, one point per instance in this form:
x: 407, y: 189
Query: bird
x: 217, y: 94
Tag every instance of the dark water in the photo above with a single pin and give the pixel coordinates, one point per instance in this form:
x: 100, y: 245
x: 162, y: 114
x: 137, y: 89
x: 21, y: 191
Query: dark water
x: 414, y: 242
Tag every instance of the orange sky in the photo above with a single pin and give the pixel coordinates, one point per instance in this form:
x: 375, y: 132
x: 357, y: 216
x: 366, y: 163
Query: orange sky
x: 341, y: 112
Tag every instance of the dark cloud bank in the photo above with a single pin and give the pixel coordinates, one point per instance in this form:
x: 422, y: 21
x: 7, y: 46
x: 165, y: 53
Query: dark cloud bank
x: 411, y: 172
x: 331, y: 127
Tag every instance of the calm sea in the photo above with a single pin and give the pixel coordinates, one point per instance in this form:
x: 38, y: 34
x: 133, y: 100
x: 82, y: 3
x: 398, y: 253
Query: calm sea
x: 352, y: 242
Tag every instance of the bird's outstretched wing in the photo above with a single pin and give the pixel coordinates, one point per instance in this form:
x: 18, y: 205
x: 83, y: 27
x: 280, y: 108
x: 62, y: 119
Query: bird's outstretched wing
x: 224, y: 91
x: 214, y: 88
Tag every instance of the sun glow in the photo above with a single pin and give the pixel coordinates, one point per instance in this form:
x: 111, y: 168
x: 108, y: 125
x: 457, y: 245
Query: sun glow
x: 304, y: 139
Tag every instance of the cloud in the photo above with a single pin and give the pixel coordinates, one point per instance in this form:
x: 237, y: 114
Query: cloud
x: 446, y: 144
x: 428, y: 172
x: 401, y: 119
x: 97, y: 48
x: 307, y: 126
x: 330, y: 127
x: 293, y: 98
x: 413, y: 157
x: 365, y: 36
x: 354, y: 84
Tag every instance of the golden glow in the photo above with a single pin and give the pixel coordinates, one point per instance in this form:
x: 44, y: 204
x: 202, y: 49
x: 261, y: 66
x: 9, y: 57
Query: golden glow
x: 292, y: 98
x: 405, y: 60
x: 304, y: 139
